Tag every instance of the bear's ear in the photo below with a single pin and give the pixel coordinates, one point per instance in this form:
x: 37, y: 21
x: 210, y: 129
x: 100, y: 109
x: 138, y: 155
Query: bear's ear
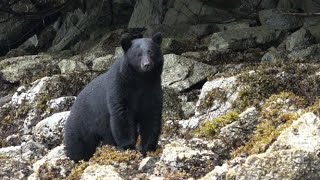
x: 157, y: 38
x: 125, y: 42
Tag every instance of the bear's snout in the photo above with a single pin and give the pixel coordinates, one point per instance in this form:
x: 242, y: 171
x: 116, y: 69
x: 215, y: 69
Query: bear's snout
x: 146, y: 65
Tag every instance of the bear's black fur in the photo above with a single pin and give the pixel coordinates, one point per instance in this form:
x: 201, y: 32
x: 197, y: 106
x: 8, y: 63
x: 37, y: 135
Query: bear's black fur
x: 120, y: 104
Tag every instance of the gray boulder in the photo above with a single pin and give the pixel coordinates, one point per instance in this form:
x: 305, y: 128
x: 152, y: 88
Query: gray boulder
x: 272, y: 18
x: 181, y: 73
x: 146, y: 12
x: 191, y: 12
x: 103, y: 63
x: 72, y: 28
x: 241, y: 39
x: 49, y: 131
x: 71, y: 66
x: 299, y: 40
x: 311, y: 53
x: 22, y: 68
x: 303, y: 134
x: 284, y: 164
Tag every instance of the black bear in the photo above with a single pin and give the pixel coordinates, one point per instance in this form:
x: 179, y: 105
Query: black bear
x: 120, y: 104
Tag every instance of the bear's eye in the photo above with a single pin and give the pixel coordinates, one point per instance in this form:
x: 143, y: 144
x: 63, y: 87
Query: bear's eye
x: 139, y: 54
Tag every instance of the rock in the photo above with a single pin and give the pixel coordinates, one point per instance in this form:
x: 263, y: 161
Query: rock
x: 122, y: 11
x: 51, y: 87
x: 12, y: 140
x: 153, y: 177
x: 181, y: 31
x: 273, y: 56
x: 17, y: 52
x: 176, y: 12
x: 54, y: 165
x: 14, y: 32
x: 216, y: 146
x: 27, y: 67
x: 49, y: 131
x: 192, y: 12
x: 290, y: 5
x: 12, y: 168
x: 146, y: 12
x: 107, y: 45
x: 100, y: 172
x: 177, y: 31
x: 29, y: 104
x: 284, y: 164
x: 103, y: 63
x: 192, y: 122
x: 202, y: 30
x: 299, y: 40
x: 37, y: 89
x: 60, y: 104
x: 311, y: 53
x: 312, y: 24
x: 198, y: 55
x: 177, y: 156
x: 89, y: 57
x: 241, y: 39
x: 31, y: 45
x: 239, y: 132
x: 224, y: 4
x: 147, y: 165
x: 274, y: 19
x: 6, y: 88
x: 188, y: 109
x: 303, y: 134
x: 26, y: 151
x: 11, y: 151
x: 309, y: 6
x: 46, y: 37
x: 74, y: 25
x: 217, y: 96
x: 218, y: 173
x: 242, y: 24
x: 178, y: 46
x: 181, y: 73
x: 23, y: 95
x: 5, y: 99
x: 70, y: 66
x: 264, y: 4
x: 118, y: 52
x: 31, y: 150
x: 171, y: 104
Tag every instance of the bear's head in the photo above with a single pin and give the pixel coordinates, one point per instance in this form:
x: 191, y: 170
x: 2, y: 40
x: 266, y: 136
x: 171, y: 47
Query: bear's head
x: 143, y: 55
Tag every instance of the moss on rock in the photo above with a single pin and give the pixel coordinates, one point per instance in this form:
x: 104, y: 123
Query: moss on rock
x: 259, y: 82
x: 277, y: 114
x: 212, y: 127
x: 215, y: 95
x: 107, y: 155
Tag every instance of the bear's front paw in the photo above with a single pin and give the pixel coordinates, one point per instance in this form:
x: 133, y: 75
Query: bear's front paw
x: 147, y: 148
x: 125, y: 147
